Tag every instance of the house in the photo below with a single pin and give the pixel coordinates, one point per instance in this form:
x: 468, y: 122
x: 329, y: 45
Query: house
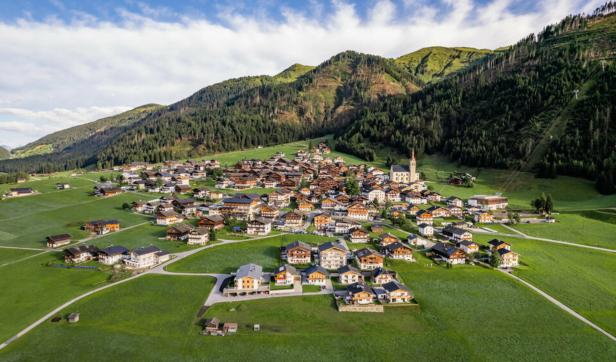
x: 424, y: 217
x: 496, y: 245
x: 349, y: 275
x: 439, y: 211
x: 456, y: 233
x: 212, y: 222
x: 259, y: 226
x: 54, y: 241
x: 426, y: 230
x: 398, y: 251
x: 178, y: 232
x: 483, y: 218
x: 486, y: 203
x: 79, y: 254
x: 359, y: 293
x: 449, y: 253
x: 369, y: 259
x: 112, y: 255
x: 212, y: 327
x: 101, y: 227
x: 386, y: 239
x: 359, y: 236
x: 293, y: 220
x: 198, y: 236
x: 358, y: 211
x: 397, y: 293
x: 376, y: 195
x: 63, y: 186
x: 249, y: 277
x: 454, y: 201
x: 146, y: 257
x: 321, y: 221
x: 305, y: 207
x: 329, y: 204
x: 269, y: 212
x: 468, y: 247
x: 19, y: 192
x: 241, y: 206
x: 298, y: 252
x: 415, y: 240
x: 229, y: 328
x: 383, y: 276
x: 168, y: 217
x: 332, y: 255
x: 508, y: 258
x: 315, y: 275
x: 109, y: 192
x: 286, y: 275
x: 280, y: 198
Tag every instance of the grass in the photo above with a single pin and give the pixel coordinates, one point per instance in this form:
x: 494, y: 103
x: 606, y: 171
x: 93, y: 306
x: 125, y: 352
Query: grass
x: 227, y: 258
x: 36, y: 217
x: 582, y: 279
x: 142, y: 235
x: 11, y: 255
x: 123, y: 331
x: 310, y: 288
x: 595, y: 227
x: 30, y: 289
x: 467, y: 313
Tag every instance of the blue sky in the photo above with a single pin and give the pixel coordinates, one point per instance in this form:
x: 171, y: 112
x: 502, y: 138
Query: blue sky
x: 66, y: 62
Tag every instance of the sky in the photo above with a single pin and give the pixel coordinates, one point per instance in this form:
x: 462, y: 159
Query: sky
x: 67, y: 62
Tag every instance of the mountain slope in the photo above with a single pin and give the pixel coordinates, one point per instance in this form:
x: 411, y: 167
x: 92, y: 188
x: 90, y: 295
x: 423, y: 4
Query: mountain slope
x: 4, y: 153
x: 57, y: 141
x: 515, y: 109
x: 434, y: 63
x: 292, y: 73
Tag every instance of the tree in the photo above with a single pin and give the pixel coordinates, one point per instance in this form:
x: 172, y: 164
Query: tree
x: 549, y: 204
x: 495, y: 259
x: 539, y: 203
x: 103, y: 178
x: 390, y: 161
x: 126, y: 206
x: 352, y: 186
x: 212, y: 235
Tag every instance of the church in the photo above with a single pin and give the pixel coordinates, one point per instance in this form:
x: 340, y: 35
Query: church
x: 405, y: 174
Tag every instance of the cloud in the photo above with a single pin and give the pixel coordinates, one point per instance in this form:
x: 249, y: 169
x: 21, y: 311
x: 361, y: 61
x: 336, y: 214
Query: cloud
x: 57, y: 73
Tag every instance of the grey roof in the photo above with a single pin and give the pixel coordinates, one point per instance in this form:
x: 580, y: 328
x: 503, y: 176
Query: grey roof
x: 182, y: 228
x: 399, y: 168
x: 348, y: 268
x: 146, y: 250
x: 359, y: 287
x: 331, y: 244
x: 315, y: 268
x: 444, y: 249
x: 289, y: 268
x: 396, y: 245
x: 299, y: 243
x: 250, y: 270
x: 365, y: 252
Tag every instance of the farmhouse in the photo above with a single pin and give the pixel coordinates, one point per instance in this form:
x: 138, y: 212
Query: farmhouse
x: 397, y: 293
x: 79, y: 254
x: 487, y: 203
x: 424, y: 217
x: 54, y: 241
x: 241, y: 206
x: 369, y: 259
x: 359, y: 293
x: 509, y: 259
x: 386, y: 239
x: 269, y: 212
x: 110, y: 191
x: 293, y: 220
x: 168, y: 217
x: 315, y: 275
x: 146, y: 257
x: 321, y: 221
x: 382, y: 276
x: 178, y: 232
x: 359, y: 236
x: 483, y: 218
x: 449, y: 253
x: 259, y: 226
x: 349, y: 275
x: 358, y: 211
x: 198, y: 236
x: 298, y: 252
x: 249, y: 277
x: 332, y: 255
x: 112, y: 255
x: 468, y: 247
x: 19, y: 192
x: 456, y: 233
x: 398, y: 251
x: 496, y: 245
x: 101, y: 227
x: 212, y: 222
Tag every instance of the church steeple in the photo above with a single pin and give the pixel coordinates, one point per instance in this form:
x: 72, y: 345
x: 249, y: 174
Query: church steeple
x: 412, y: 167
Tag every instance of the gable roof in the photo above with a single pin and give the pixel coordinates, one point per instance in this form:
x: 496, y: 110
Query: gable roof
x: 249, y: 270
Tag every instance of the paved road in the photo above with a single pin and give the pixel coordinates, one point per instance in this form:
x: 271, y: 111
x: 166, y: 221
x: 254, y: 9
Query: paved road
x: 562, y: 306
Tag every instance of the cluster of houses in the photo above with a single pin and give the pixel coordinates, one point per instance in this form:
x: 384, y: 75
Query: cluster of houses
x: 139, y: 258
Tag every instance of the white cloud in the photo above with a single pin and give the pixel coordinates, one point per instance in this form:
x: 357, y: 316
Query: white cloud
x: 57, y: 74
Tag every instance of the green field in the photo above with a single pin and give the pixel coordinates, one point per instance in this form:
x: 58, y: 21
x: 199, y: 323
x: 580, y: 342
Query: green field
x: 582, y: 279
x: 12, y: 255
x: 30, y: 289
x: 468, y: 313
x: 142, y: 235
x: 593, y: 227
x: 227, y: 258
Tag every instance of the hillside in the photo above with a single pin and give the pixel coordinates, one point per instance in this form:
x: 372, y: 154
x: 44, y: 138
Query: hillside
x: 4, y: 153
x: 514, y: 109
x: 293, y: 72
x: 57, y: 141
x: 434, y: 63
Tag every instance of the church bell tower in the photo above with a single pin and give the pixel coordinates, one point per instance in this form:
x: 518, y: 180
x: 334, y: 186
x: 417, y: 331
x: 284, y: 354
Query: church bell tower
x: 412, y: 167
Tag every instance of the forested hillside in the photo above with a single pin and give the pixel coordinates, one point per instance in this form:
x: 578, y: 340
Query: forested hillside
x: 4, y: 153
x: 544, y: 104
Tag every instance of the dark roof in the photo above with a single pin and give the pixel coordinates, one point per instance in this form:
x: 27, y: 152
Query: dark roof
x: 181, y: 228
x: 60, y: 237
x: 146, y: 250
x: 103, y: 222
x: 393, y: 286
x: 114, y: 250
x: 316, y: 268
x: 331, y: 244
x: 289, y: 268
x: 444, y: 249
x: 396, y: 245
x: 496, y: 242
x: 348, y: 268
x: 300, y: 244
x: 22, y: 190
x: 366, y: 252
x: 399, y: 168
x: 359, y: 287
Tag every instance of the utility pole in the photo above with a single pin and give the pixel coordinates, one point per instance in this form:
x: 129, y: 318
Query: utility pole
x: 576, y: 93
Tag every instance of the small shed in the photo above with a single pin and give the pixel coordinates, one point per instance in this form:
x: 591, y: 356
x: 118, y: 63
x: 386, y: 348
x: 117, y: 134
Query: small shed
x: 211, y: 327
x: 256, y: 327
x: 73, y: 318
